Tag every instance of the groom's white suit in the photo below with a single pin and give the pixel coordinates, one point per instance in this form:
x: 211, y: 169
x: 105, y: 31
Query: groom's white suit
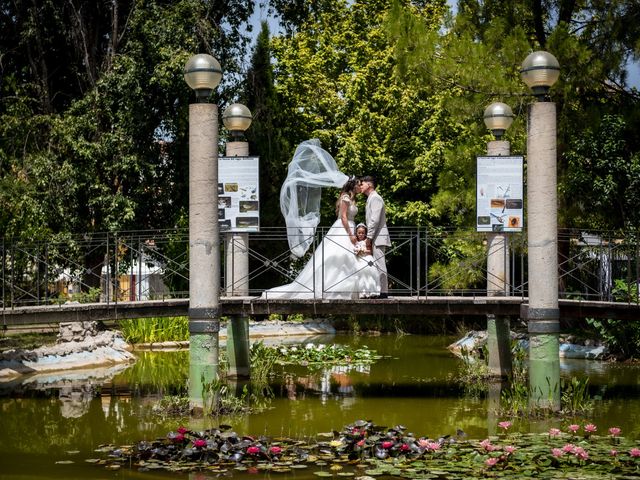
x: 378, y: 233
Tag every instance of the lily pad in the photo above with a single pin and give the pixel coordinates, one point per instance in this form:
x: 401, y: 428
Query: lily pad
x: 322, y: 474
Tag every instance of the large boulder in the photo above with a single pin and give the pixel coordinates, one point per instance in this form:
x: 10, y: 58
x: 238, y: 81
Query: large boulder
x: 79, y: 345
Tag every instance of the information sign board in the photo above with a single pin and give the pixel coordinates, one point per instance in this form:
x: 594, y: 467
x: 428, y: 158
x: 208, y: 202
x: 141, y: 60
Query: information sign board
x: 499, y: 194
x: 238, y: 194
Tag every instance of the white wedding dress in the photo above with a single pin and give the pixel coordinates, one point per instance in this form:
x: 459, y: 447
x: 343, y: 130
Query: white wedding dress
x: 334, y: 271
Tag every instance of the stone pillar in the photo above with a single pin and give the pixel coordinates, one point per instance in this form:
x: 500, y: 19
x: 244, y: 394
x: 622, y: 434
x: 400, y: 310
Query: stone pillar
x: 204, y: 251
x: 237, y: 284
x: 498, y: 327
x: 543, y: 314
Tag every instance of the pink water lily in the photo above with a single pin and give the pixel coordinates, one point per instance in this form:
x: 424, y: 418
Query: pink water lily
x: 433, y: 446
x: 491, y: 461
x: 509, y: 449
x: 487, y: 445
x: 573, y: 428
x: 634, y: 452
x: 504, y: 425
x: 614, y: 431
x: 581, y: 453
x: 557, y: 452
x: 423, y: 443
x: 554, y: 432
x: 569, y: 448
x: 590, y: 428
x: 613, y: 453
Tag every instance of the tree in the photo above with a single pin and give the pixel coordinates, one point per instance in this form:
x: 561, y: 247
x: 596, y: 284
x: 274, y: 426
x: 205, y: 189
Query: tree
x: 93, y: 124
x: 335, y: 80
x: 603, y: 176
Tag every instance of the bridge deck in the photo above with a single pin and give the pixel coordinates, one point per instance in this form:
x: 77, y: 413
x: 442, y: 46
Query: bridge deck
x: 436, y: 306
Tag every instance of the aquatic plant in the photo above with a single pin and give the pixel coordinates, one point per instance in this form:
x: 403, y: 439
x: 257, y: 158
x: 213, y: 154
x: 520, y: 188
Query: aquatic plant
x: 363, y: 448
x: 156, y: 329
x: 312, y: 354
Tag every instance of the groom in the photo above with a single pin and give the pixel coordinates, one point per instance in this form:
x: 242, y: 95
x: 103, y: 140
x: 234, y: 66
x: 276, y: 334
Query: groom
x: 377, y: 232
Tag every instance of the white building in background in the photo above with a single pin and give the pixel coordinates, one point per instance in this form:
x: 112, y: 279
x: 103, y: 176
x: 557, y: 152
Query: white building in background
x: 142, y: 280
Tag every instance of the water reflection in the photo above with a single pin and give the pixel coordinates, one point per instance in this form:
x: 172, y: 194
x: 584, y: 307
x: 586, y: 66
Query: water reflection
x: 42, y: 418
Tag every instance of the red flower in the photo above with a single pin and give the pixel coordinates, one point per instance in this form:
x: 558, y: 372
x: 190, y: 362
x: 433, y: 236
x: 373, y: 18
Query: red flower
x: 182, y: 430
x: 275, y: 450
x: 178, y: 438
x: 199, y: 443
x: 387, y: 444
x: 253, y: 450
x: 404, y: 447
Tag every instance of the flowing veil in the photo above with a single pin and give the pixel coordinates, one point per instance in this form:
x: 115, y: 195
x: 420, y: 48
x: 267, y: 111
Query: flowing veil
x: 311, y: 168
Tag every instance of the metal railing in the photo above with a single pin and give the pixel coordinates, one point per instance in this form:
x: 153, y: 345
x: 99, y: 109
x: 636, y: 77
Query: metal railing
x: 150, y: 265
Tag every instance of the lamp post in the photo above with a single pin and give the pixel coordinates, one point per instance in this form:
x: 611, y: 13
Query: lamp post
x: 237, y: 118
x: 203, y: 74
x: 540, y: 70
x: 498, y: 118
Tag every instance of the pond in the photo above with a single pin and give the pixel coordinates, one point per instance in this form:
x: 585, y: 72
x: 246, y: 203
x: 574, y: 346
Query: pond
x: 50, y: 426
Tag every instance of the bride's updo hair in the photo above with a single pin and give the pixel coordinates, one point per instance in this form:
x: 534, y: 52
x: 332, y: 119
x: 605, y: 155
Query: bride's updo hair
x: 349, y: 188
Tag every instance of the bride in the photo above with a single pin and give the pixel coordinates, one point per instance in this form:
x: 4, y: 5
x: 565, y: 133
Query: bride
x: 332, y: 270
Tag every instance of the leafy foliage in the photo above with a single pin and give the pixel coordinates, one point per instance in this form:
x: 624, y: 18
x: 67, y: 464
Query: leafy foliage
x: 321, y: 354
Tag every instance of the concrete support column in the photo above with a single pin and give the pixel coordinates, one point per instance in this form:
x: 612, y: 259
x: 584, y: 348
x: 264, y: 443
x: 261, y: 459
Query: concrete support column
x: 204, y: 251
x: 237, y: 284
x: 498, y: 327
x: 543, y: 314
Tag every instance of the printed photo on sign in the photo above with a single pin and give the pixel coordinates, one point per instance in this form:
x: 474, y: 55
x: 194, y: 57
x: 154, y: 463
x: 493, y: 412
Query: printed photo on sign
x: 247, y: 222
x: 248, y: 206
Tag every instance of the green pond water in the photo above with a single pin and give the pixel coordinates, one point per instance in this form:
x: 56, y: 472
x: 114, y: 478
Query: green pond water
x: 50, y: 425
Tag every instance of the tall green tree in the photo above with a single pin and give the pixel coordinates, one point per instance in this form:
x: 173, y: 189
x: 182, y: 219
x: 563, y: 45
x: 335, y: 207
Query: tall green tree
x: 335, y: 79
x: 93, y: 124
x: 266, y: 136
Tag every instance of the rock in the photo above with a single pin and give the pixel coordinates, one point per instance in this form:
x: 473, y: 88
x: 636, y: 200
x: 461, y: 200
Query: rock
x: 473, y: 342
x: 79, y: 345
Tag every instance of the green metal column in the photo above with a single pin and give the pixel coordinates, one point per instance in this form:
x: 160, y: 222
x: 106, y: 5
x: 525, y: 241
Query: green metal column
x: 204, y: 356
x: 238, y: 350
x: 544, y: 370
